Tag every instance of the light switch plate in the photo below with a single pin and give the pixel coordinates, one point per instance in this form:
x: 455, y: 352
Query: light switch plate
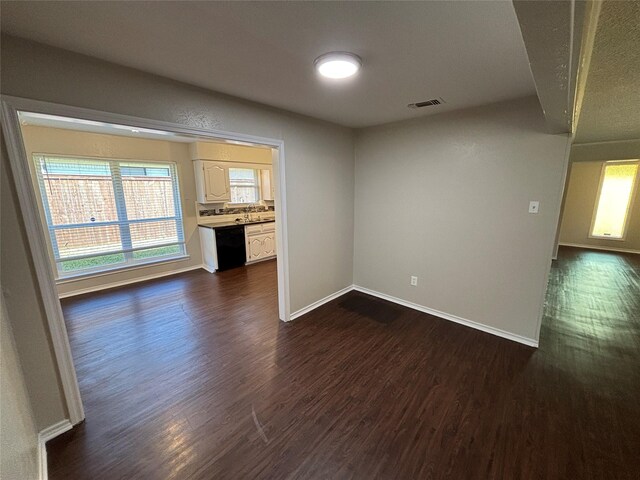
x: 534, y: 206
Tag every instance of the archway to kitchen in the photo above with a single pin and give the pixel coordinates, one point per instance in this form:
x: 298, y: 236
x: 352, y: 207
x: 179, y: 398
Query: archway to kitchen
x: 135, y: 267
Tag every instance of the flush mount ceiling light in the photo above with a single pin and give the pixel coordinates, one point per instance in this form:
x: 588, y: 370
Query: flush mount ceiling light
x: 338, y: 64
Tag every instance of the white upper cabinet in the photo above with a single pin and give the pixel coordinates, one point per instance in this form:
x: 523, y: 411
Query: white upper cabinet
x: 212, y: 182
x: 267, y: 184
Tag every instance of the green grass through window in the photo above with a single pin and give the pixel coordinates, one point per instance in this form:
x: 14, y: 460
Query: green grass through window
x: 106, y: 260
x: 83, y: 263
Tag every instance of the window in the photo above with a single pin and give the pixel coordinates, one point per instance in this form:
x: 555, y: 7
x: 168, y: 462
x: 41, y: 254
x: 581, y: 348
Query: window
x: 104, y: 214
x: 612, y: 208
x: 244, y: 185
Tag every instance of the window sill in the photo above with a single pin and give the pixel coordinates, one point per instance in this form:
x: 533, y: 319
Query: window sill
x: 615, y: 239
x: 111, y: 271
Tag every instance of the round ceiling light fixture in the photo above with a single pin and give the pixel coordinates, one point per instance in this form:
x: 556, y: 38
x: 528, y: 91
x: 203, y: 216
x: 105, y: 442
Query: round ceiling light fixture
x: 338, y: 64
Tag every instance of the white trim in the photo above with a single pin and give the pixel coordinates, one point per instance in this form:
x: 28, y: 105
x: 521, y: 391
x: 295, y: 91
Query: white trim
x: 36, y: 236
x: 54, y: 430
x: 210, y: 270
x: 453, y: 318
x: 43, y: 471
x: 282, y: 237
x: 106, y: 286
x: 598, y: 247
x: 320, y: 302
x: 446, y: 316
x: 39, y: 253
x: 44, y: 436
x: 253, y: 262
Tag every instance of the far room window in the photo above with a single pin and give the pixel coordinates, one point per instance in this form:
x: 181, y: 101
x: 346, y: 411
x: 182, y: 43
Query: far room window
x: 617, y: 186
x: 106, y: 214
x: 244, y: 185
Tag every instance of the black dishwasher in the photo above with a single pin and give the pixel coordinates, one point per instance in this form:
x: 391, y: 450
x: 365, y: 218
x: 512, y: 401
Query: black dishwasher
x: 230, y: 247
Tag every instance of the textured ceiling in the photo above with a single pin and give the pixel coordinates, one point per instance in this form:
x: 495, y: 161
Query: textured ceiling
x: 610, y: 109
x: 469, y: 53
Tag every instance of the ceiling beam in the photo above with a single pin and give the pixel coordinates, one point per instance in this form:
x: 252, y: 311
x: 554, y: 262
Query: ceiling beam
x: 552, y: 32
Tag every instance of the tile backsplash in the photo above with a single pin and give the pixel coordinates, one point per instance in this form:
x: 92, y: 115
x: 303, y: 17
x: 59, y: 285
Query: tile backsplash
x: 210, y: 212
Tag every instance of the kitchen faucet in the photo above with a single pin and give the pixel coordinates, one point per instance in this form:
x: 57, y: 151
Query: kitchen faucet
x: 251, y: 208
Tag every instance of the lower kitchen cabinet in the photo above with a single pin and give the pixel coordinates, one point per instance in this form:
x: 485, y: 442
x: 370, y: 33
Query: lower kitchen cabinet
x: 260, y: 241
x: 224, y: 246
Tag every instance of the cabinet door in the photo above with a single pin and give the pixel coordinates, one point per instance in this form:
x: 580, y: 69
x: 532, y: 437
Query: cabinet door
x: 216, y: 183
x: 267, y: 185
x: 269, y: 244
x: 254, y: 248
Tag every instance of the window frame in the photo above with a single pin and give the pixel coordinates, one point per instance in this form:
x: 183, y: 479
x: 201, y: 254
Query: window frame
x: 258, y: 186
x: 129, y: 263
x: 632, y: 197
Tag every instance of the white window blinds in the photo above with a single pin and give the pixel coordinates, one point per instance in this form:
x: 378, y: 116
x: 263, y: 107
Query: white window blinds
x: 103, y: 214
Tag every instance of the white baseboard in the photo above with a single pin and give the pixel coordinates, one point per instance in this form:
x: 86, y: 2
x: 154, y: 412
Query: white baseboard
x: 446, y: 316
x: 44, y: 436
x: 273, y: 257
x: 208, y: 269
x: 598, y: 247
x: 144, y: 278
x: 453, y: 318
x: 320, y: 302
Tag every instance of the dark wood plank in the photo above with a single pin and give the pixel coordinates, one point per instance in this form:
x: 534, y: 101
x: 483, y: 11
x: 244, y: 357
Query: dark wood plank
x: 193, y: 376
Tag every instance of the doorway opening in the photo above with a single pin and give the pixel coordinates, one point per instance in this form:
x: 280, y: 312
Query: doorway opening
x: 119, y: 219
x: 593, y: 285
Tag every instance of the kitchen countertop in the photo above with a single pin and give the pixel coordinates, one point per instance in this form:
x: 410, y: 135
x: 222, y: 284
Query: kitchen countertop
x: 235, y: 224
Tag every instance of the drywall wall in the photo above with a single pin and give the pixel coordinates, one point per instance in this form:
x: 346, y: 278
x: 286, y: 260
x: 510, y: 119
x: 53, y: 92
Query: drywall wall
x: 446, y: 199
x: 25, y: 310
x: 581, y: 197
x: 68, y: 142
x: 18, y: 432
x: 229, y: 153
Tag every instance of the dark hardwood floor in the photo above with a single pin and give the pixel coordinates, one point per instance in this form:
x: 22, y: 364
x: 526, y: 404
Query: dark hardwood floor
x: 193, y: 376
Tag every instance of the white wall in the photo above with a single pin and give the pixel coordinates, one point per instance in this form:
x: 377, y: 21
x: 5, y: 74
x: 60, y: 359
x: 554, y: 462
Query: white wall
x: 18, y: 433
x: 230, y: 153
x: 445, y: 198
x: 319, y: 155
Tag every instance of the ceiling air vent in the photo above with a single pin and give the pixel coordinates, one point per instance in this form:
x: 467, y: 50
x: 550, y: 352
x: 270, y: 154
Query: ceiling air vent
x: 427, y: 103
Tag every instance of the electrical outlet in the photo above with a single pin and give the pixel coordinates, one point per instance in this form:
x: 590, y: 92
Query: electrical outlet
x: 414, y: 281
x: 534, y: 207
